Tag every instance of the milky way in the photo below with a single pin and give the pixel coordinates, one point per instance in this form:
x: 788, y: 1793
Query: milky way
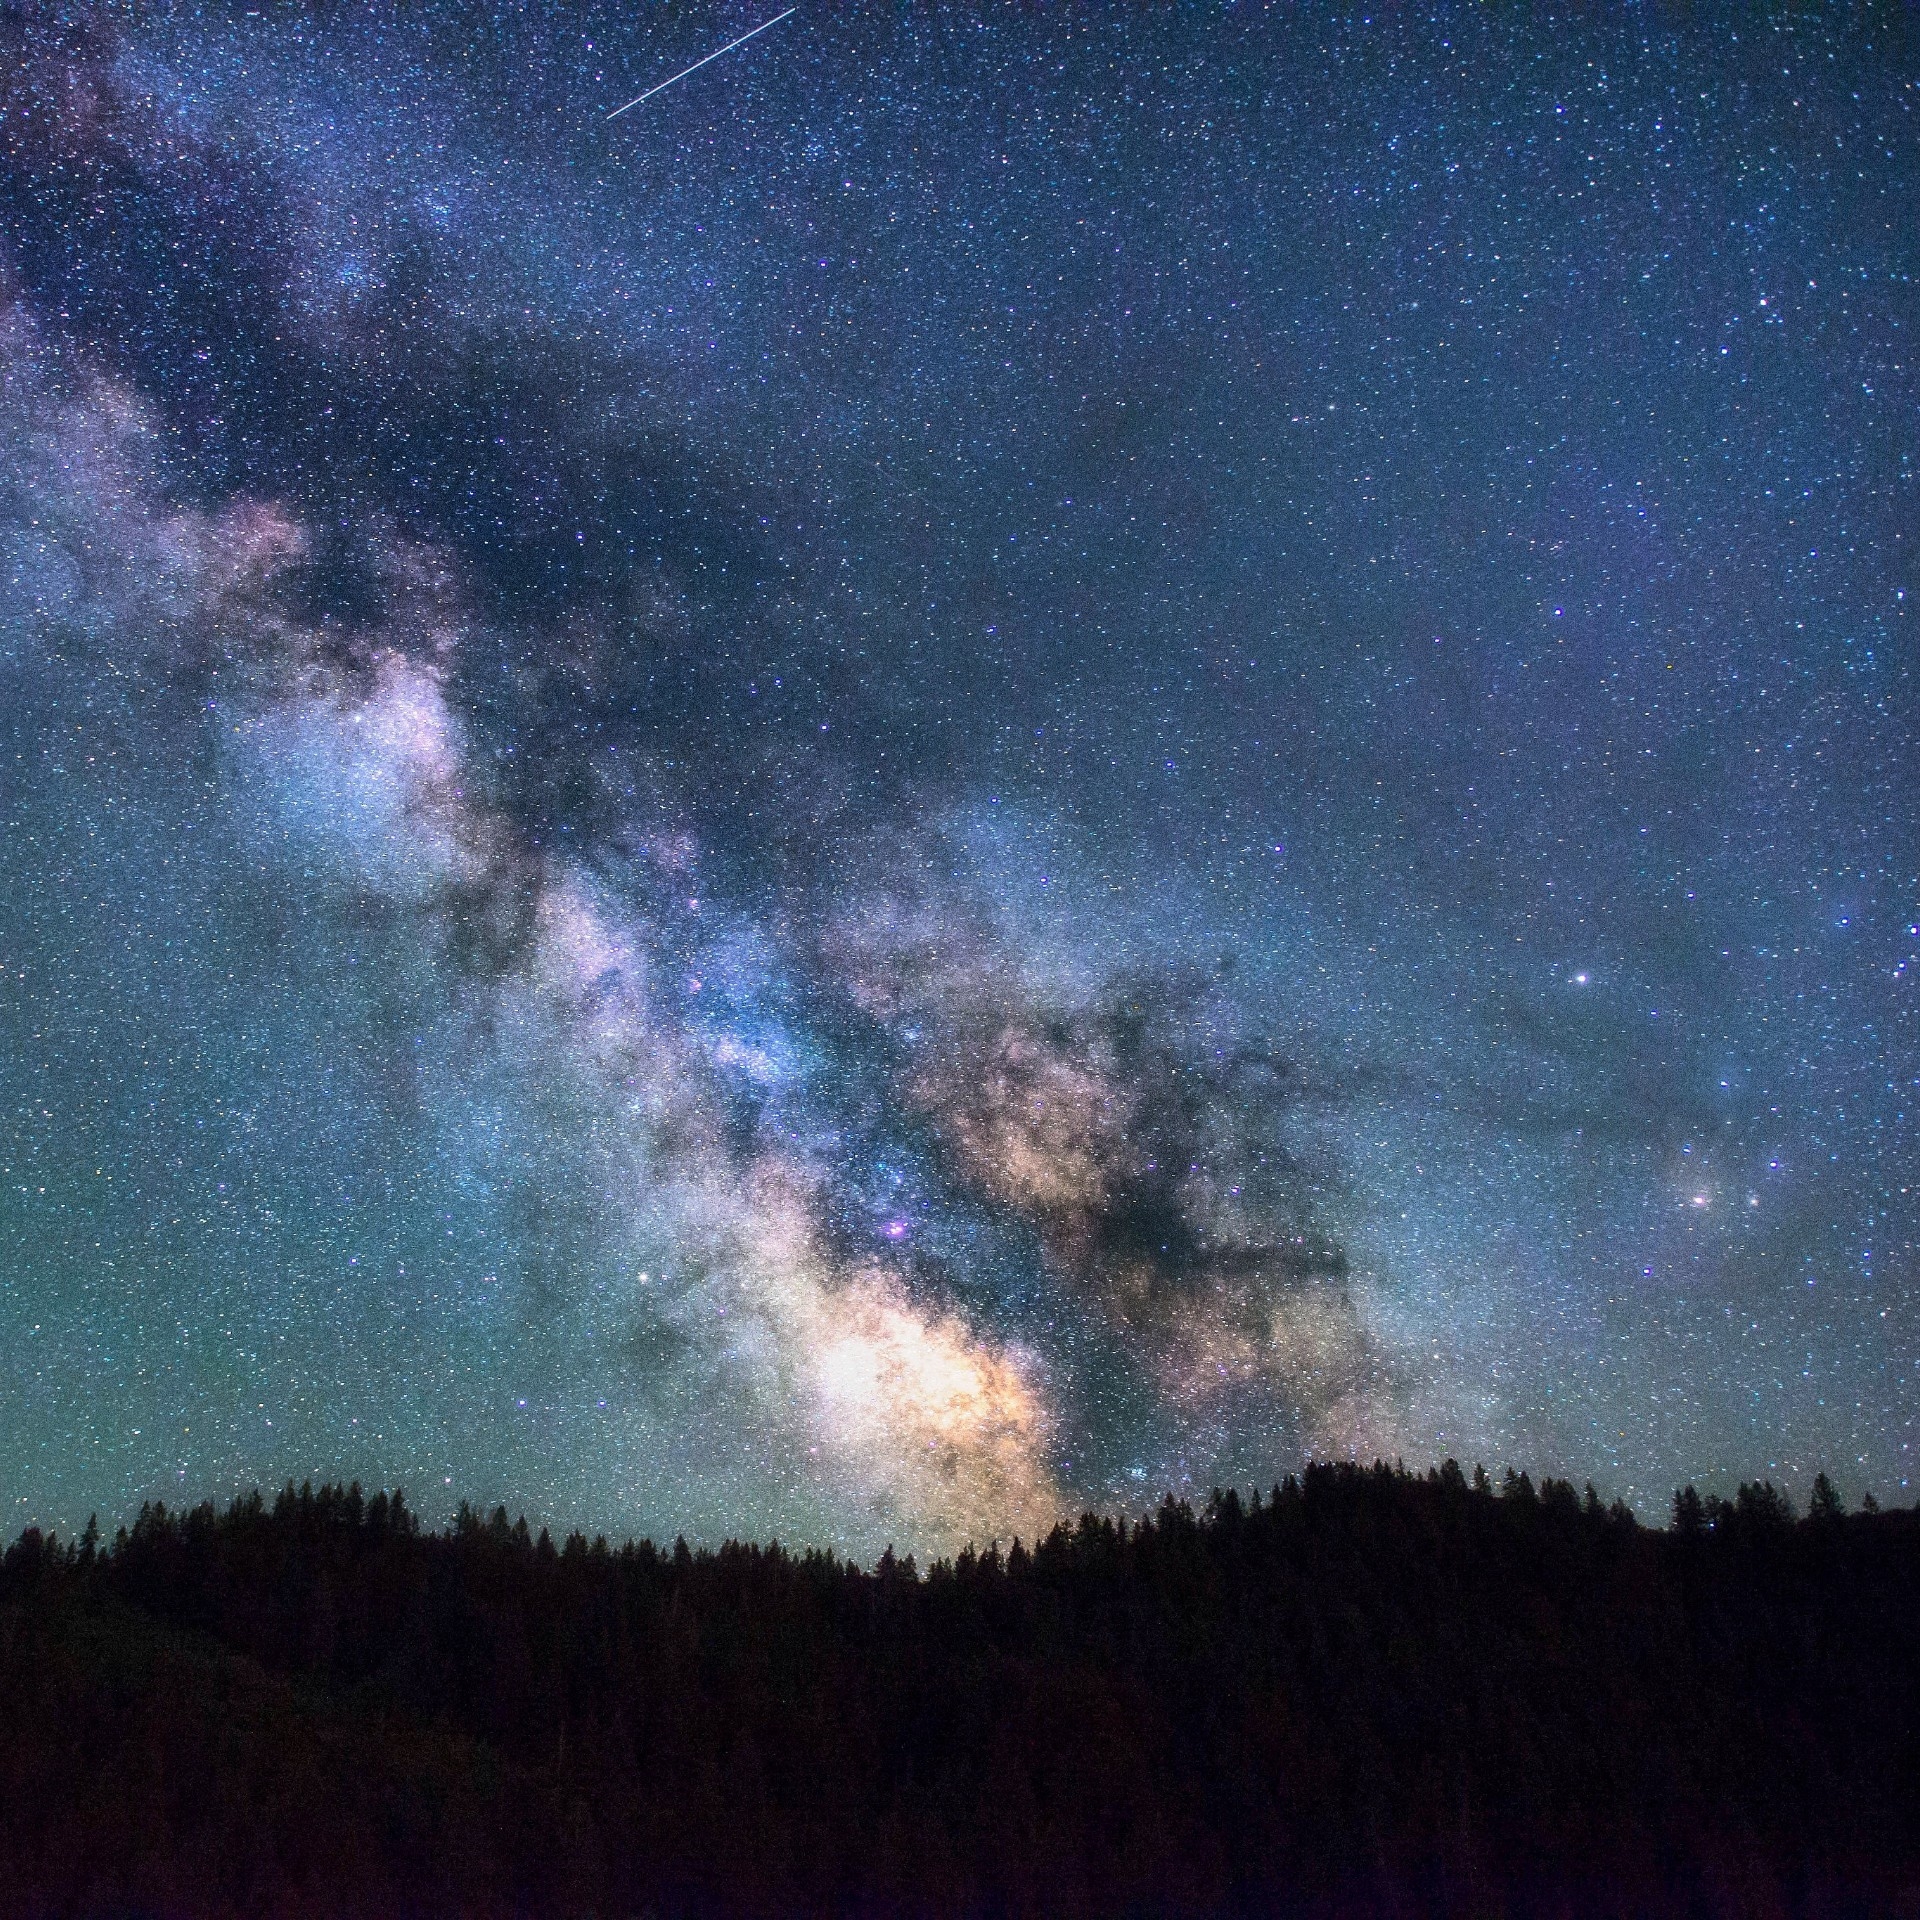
x: 995, y: 763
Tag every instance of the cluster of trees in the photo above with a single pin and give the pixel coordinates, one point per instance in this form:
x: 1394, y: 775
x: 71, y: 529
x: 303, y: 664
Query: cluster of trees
x: 1369, y: 1692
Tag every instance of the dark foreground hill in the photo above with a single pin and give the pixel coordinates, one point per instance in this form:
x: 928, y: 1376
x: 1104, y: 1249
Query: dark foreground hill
x: 1372, y: 1693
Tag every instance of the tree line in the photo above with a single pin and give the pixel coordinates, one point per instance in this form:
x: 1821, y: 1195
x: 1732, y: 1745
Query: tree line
x: 1365, y: 1691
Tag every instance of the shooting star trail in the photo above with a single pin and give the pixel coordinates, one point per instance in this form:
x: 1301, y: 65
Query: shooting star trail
x: 698, y: 64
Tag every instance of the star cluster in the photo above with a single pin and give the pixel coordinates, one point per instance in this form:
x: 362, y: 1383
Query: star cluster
x: 999, y: 760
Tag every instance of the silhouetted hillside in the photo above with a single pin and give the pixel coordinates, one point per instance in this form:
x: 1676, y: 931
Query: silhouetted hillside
x: 1370, y: 1693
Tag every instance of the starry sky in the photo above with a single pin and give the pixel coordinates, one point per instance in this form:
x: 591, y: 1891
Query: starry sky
x: 1006, y: 758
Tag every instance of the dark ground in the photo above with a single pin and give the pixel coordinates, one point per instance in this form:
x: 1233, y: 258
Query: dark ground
x: 1371, y: 1693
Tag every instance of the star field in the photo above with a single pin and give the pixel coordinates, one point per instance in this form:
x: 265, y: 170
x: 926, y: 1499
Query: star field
x: 996, y: 761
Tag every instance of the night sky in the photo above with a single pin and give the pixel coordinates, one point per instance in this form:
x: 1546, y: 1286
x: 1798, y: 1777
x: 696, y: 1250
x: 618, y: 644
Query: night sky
x: 996, y: 762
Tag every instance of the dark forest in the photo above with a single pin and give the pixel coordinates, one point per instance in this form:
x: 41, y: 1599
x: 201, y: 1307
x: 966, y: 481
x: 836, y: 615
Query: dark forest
x: 1367, y: 1692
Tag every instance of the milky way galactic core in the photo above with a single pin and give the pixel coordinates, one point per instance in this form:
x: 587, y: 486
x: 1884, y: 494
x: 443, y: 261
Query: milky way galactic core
x: 998, y: 761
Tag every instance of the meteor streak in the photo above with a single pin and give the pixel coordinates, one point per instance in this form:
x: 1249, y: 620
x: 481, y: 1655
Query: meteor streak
x: 698, y: 64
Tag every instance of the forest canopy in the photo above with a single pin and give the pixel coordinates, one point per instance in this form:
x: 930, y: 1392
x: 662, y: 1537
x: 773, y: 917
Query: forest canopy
x: 1364, y: 1691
